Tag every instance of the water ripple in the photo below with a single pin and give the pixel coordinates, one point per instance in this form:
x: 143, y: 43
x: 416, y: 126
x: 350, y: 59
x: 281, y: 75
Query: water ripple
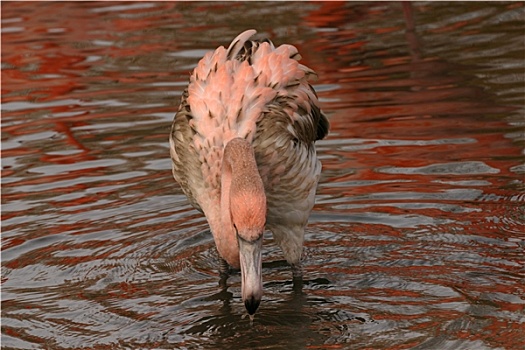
x: 416, y: 240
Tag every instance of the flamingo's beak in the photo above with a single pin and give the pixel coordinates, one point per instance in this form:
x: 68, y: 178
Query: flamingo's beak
x: 251, y: 264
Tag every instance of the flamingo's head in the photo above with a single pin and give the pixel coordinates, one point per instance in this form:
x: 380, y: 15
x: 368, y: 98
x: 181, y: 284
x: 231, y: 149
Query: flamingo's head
x: 248, y: 213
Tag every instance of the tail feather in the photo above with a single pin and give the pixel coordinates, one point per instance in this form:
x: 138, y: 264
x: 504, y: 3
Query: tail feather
x: 238, y: 43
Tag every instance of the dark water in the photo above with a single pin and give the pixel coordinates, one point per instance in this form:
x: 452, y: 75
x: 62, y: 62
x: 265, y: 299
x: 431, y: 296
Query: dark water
x: 417, y: 239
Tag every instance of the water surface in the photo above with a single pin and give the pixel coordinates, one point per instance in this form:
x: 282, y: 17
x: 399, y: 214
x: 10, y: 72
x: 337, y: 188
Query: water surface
x: 416, y: 240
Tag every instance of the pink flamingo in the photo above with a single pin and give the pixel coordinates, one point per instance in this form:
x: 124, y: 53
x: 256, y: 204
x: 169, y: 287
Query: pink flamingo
x: 242, y: 146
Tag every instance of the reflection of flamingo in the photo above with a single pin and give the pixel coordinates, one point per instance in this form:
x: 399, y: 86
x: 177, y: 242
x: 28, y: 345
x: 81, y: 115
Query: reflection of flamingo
x: 242, y: 146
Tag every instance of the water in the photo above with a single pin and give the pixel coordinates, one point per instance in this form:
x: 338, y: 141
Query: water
x: 417, y: 239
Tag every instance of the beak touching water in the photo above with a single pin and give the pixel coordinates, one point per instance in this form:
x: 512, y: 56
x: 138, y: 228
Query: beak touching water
x: 251, y: 264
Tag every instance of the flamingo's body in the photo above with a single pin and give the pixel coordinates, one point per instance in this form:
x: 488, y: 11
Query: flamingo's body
x: 242, y: 146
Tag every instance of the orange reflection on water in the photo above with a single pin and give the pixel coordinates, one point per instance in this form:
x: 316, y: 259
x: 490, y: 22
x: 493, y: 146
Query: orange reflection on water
x: 416, y: 238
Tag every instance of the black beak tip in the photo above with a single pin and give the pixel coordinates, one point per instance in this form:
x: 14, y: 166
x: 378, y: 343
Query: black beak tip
x: 251, y: 305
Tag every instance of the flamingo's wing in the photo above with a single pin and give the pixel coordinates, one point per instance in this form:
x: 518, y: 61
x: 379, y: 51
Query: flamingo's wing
x: 186, y: 166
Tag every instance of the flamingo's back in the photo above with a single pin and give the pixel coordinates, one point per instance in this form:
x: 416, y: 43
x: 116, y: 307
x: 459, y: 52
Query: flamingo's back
x: 260, y: 93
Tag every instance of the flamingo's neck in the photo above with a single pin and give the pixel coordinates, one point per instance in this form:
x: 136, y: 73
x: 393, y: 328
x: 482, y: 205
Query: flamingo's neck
x: 242, y: 194
x: 227, y: 244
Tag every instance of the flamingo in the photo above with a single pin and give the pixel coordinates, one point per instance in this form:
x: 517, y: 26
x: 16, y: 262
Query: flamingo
x: 242, y: 149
